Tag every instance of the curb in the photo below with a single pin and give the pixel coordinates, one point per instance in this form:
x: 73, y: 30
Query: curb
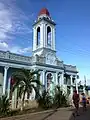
x: 46, y: 111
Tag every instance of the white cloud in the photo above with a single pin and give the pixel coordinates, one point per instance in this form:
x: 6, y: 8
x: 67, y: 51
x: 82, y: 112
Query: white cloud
x: 3, y: 45
x: 25, y: 50
x: 12, y: 20
x: 14, y: 49
x: 19, y: 50
x: 5, y: 24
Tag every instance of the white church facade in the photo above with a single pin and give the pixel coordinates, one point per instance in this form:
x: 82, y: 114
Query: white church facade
x: 52, y: 70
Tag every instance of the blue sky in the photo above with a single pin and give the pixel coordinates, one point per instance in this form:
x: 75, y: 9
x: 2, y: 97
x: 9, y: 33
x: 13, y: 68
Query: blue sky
x: 72, y: 30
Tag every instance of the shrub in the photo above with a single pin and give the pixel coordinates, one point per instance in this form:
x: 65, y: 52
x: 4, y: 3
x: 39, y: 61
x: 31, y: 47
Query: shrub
x: 45, y: 100
x: 4, y: 105
x: 60, y: 99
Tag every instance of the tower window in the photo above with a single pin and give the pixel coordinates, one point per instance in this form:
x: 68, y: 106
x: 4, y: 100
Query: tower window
x: 38, y: 36
x: 48, y: 36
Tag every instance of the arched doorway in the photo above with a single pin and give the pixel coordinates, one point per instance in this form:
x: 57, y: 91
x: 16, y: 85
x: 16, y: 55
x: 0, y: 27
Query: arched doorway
x: 49, y: 81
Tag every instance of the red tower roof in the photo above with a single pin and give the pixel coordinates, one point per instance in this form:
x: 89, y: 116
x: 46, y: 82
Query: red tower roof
x: 44, y: 11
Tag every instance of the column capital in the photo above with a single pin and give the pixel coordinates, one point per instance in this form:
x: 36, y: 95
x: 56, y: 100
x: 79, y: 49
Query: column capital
x: 75, y: 76
x: 6, y: 67
x: 62, y: 72
x: 44, y: 70
x: 57, y: 72
x: 71, y: 76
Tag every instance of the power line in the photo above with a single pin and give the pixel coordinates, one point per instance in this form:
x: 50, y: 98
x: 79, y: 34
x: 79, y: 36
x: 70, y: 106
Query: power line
x: 70, y: 51
x: 77, y: 47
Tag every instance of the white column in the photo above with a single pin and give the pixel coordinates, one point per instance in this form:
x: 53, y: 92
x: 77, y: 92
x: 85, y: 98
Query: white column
x: 76, y: 83
x: 9, y: 86
x: 71, y: 85
x: 56, y: 78
x: 5, y: 78
x: 1, y: 82
x: 41, y: 81
x: 43, y: 77
x: 62, y: 79
x: 44, y: 35
x: 63, y: 86
x: 46, y: 81
x: 53, y: 38
x: 14, y: 99
x: 34, y: 38
x: 41, y: 35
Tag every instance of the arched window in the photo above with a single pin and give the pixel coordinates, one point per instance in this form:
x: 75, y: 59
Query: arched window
x: 49, y: 80
x: 48, y: 36
x: 38, y: 36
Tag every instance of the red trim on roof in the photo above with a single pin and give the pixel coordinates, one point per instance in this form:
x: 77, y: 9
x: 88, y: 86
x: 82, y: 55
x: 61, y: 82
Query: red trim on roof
x: 44, y: 11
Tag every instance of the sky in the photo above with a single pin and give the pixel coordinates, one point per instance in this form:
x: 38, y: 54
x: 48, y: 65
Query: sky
x: 72, y: 18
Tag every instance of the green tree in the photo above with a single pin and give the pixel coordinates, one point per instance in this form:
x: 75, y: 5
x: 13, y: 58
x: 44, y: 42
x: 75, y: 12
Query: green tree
x: 25, y: 81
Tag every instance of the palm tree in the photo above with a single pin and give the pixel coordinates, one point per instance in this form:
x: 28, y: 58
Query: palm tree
x: 24, y: 81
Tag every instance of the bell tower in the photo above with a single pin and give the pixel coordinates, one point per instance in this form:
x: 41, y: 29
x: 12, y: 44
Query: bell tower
x: 43, y: 33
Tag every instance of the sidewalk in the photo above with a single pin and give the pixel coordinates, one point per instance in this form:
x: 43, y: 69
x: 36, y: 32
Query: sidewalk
x: 60, y: 114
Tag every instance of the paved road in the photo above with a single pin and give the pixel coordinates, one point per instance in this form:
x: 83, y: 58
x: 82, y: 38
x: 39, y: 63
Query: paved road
x: 83, y: 115
x: 63, y: 114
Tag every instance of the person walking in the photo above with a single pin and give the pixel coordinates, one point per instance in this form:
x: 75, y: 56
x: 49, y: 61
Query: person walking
x: 84, y: 101
x: 76, y: 100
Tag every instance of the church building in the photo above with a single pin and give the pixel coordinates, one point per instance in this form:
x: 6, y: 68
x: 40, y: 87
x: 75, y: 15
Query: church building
x: 52, y: 70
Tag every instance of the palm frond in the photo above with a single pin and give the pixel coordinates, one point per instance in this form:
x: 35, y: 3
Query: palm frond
x: 36, y: 81
x: 34, y: 72
x: 18, y: 76
x: 24, y: 80
x: 4, y: 104
x: 21, y: 90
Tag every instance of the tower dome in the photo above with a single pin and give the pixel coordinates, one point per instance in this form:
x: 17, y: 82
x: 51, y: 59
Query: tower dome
x: 44, y: 11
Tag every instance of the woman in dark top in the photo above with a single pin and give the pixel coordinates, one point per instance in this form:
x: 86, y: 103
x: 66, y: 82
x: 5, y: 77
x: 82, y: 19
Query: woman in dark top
x: 76, y: 100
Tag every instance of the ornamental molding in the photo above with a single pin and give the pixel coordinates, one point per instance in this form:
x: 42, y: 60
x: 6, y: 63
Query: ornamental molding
x: 15, y: 57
